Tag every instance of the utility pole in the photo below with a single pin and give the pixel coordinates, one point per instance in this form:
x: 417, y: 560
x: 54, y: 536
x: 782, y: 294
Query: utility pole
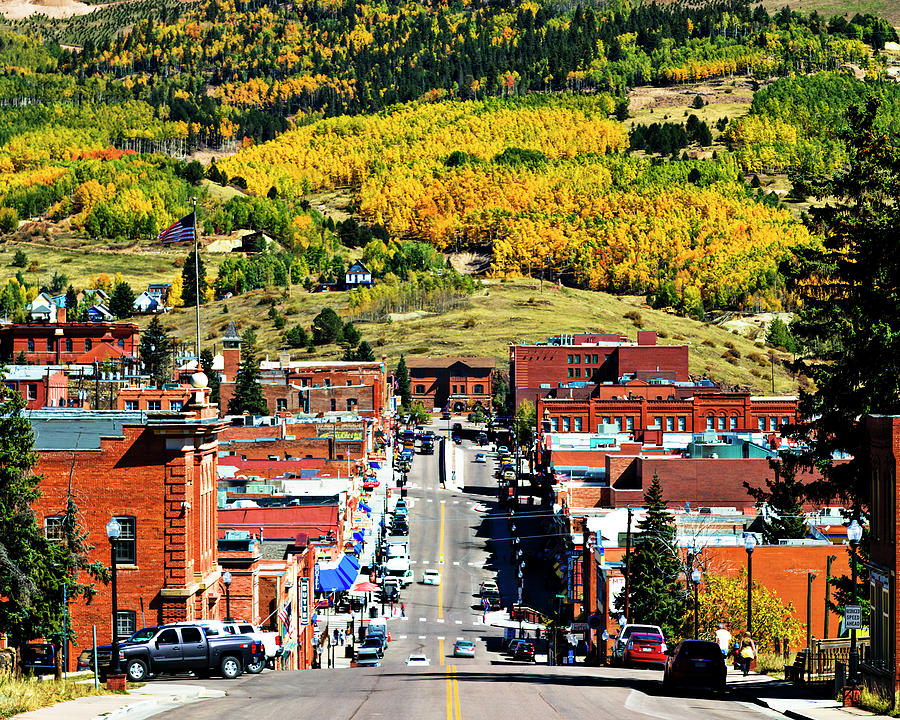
x: 830, y: 559
x: 628, y: 565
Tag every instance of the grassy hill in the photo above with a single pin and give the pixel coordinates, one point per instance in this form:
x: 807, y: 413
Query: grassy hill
x: 504, y: 312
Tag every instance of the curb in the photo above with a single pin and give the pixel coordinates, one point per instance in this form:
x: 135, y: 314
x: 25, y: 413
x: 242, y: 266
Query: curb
x: 793, y: 714
x: 148, y: 707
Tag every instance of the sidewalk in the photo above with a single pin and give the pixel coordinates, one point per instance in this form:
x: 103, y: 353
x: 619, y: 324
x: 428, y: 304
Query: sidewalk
x: 794, y: 701
x: 152, y: 698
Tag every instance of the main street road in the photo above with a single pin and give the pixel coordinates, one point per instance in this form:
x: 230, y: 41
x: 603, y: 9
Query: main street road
x: 449, y: 535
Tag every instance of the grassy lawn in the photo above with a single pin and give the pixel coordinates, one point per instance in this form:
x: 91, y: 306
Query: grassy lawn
x: 18, y: 696
x: 505, y: 312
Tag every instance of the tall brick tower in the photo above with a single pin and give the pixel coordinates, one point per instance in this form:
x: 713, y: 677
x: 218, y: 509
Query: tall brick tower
x: 231, y: 353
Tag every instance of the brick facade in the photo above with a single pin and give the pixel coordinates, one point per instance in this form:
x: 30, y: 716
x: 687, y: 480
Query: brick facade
x: 592, y: 358
x: 60, y: 343
x: 39, y: 387
x: 459, y: 384
x: 882, y: 665
x: 160, y: 475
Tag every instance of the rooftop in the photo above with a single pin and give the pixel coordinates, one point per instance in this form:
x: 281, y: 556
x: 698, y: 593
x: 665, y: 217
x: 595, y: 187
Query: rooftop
x: 444, y: 362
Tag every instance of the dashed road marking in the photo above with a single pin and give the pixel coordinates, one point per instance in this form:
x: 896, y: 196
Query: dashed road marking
x: 429, y: 500
x: 443, y: 502
x: 471, y: 564
x: 458, y: 622
x: 456, y: 502
x: 440, y: 620
x: 423, y: 619
x: 424, y: 562
x: 413, y: 562
x: 401, y: 637
x: 422, y: 637
x: 455, y: 562
x: 441, y: 637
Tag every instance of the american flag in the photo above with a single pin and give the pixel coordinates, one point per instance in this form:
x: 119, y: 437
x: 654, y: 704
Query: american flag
x: 183, y: 230
x: 284, y: 615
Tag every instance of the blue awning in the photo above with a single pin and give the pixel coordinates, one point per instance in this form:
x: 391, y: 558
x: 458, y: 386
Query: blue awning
x: 359, y: 535
x: 339, y: 575
x: 375, y: 465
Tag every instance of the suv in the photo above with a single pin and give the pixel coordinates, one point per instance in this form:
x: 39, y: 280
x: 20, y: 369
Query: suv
x: 488, y: 585
x: 524, y: 651
x: 621, y: 643
x: 271, y: 641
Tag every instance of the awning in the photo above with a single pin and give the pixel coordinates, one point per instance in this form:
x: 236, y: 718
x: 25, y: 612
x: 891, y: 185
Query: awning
x: 375, y: 465
x: 338, y: 575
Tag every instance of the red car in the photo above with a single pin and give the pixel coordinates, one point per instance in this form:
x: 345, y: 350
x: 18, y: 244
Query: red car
x: 370, y: 484
x: 645, y: 649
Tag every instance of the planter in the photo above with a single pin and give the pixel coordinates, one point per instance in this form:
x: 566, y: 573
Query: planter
x: 850, y: 695
x: 116, y: 683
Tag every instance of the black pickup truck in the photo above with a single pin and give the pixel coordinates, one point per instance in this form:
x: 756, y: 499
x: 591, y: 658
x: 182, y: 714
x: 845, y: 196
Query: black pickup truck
x: 182, y: 648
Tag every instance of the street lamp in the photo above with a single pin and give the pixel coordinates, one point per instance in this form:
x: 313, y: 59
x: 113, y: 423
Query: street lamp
x: 226, y: 580
x: 695, y: 578
x: 749, y: 544
x: 854, y: 535
x: 113, y: 530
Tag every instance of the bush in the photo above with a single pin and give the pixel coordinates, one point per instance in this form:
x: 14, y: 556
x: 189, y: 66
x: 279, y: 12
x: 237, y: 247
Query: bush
x: 20, y: 259
x: 698, y: 102
x: 9, y: 220
x: 34, y: 266
x: 708, y: 343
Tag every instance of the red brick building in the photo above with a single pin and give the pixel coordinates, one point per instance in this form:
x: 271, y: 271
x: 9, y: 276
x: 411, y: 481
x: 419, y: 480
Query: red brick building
x: 302, y: 387
x: 881, y: 666
x: 148, y: 399
x: 592, y: 358
x: 459, y: 384
x: 638, y: 407
x: 158, y: 478
x: 40, y: 386
x: 65, y: 342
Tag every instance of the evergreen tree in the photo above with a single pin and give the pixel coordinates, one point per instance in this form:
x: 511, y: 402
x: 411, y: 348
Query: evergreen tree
x: 71, y: 299
x: 657, y: 596
x: 351, y: 334
x: 248, y: 395
x: 121, y: 302
x: 401, y: 379
x: 155, y: 351
x: 327, y: 327
x: 783, y: 494
x: 296, y: 337
x: 364, y: 352
x: 779, y: 335
x: 850, y: 316
x: 206, y: 362
x: 188, y: 282
x: 35, y: 569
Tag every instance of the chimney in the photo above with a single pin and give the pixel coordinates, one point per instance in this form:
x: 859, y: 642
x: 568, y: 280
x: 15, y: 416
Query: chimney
x: 61, y: 314
x: 646, y: 337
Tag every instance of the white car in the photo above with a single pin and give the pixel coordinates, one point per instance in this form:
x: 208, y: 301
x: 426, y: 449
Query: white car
x: 480, y: 458
x: 431, y: 577
x: 418, y: 660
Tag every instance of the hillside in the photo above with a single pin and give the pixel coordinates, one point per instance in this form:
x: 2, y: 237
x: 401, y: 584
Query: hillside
x: 505, y: 311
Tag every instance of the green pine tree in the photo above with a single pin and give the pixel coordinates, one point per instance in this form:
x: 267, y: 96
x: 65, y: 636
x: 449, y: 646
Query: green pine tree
x: 783, y: 494
x: 248, y: 395
x: 121, y: 302
x: 71, y: 299
x: 656, y: 595
x: 35, y: 569
x: 401, y: 378
x: 188, y: 288
x: 155, y: 351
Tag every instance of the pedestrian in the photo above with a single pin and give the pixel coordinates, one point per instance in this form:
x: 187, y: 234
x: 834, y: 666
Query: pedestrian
x: 747, y: 653
x: 402, y: 609
x: 723, y: 638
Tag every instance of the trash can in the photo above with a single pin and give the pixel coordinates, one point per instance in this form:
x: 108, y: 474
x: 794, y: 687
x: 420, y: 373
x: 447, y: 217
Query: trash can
x: 373, y: 612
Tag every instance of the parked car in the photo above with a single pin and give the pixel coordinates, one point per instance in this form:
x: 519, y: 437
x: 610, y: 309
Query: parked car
x: 183, y: 648
x: 645, y: 649
x: 368, y: 657
x: 370, y: 484
x: 377, y: 642
x: 493, y: 598
x: 513, y: 644
x: 39, y: 658
x: 417, y: 659
x: 487, y: 585
x: 431, y: 577
x: 457, y: 427
x: 695, y: 663
x: 618, y: 648
x: 524, y: 651
x: 271, y: 641
x: 445, y: 415
x: 482, y: 439
x: 464, y: 648
x: 480, y: 458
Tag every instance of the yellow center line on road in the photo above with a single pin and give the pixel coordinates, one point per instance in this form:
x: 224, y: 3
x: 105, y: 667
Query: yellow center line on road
x: 449, y: 696
x: 441, y: 650
x: 458, y: 715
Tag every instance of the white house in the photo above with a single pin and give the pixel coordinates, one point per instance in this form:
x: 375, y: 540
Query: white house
x: 146, y: 303
x: 42, y: 309
x: 357, y: 275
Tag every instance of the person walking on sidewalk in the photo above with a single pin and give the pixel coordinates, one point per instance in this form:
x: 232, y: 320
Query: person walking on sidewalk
x: 402, y: 609
x: 723, y: 639
x: 747, y: 653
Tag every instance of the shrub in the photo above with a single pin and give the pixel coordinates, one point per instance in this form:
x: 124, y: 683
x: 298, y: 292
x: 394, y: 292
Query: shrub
x: 469, y: 323
x: 708, y: 343
x: 34, y: 266
x: 20, y: 259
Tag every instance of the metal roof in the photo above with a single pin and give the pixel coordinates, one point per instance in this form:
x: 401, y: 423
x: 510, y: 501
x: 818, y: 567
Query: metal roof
x: 64, y: 429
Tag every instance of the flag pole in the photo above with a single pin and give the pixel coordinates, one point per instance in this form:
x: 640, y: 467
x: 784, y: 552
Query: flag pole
x: 197, y: 279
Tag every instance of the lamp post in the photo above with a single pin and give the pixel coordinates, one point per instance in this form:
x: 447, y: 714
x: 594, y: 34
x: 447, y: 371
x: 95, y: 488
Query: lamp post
x: 113, y: 530
x: 226, y: 580
x: 695, y: 578
x: 749, y: 544
x: 854, y: 535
